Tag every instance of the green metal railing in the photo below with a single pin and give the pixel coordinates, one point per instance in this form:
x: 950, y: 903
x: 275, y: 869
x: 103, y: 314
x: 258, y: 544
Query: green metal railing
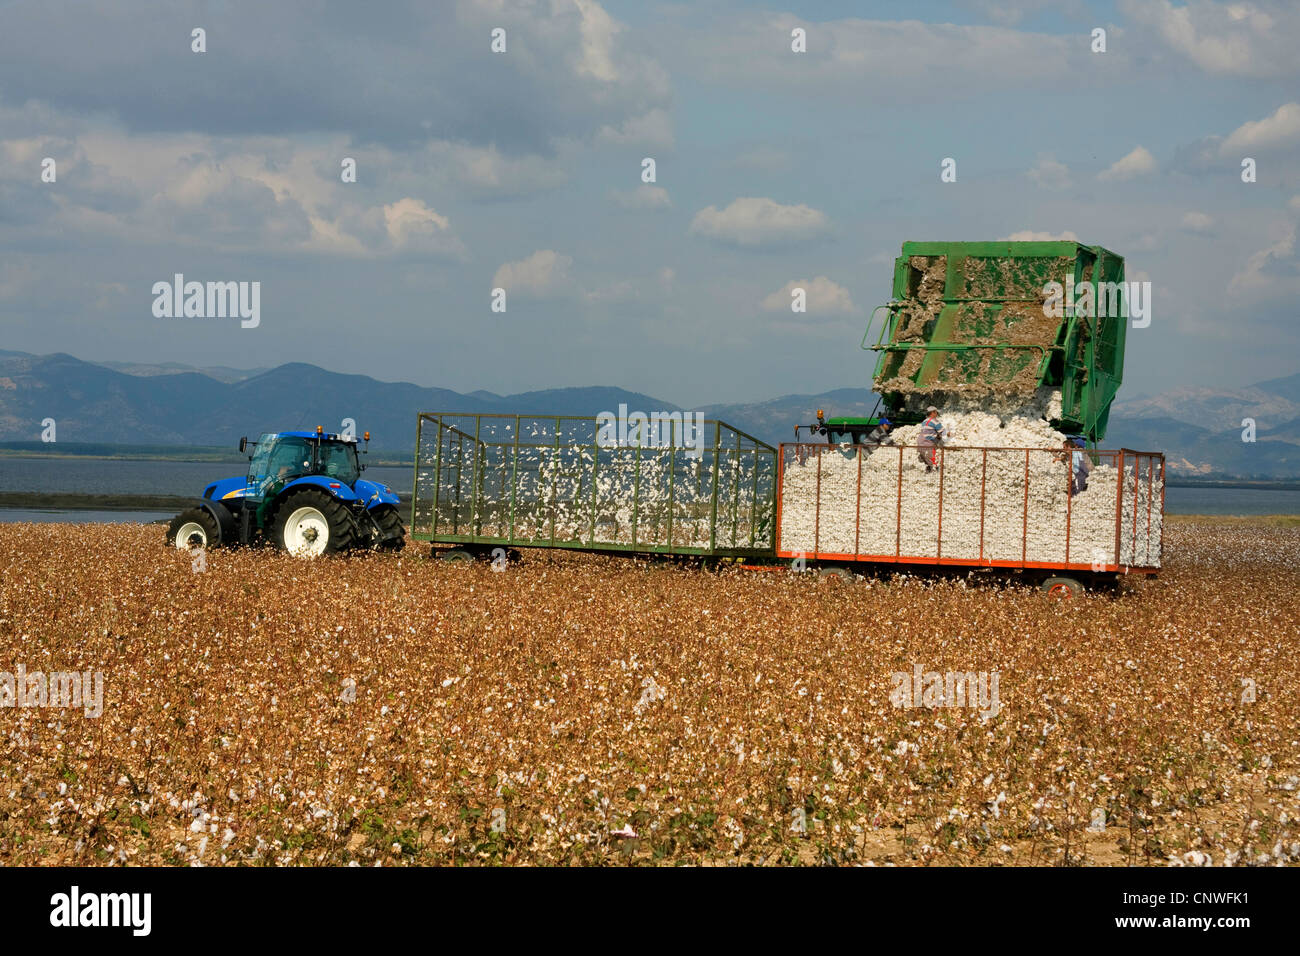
x: 561, y: 481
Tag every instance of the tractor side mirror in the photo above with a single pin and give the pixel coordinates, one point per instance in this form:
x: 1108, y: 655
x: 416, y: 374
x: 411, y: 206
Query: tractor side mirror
x: 243, y: 443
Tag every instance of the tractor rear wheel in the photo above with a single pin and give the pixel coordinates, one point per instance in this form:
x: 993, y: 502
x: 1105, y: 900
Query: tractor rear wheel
x: 193, y: 527
x: 393, y: 535
x: 310, y: 523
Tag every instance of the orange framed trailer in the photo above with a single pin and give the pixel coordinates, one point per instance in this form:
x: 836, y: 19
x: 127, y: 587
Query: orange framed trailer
x: 1015, y: 508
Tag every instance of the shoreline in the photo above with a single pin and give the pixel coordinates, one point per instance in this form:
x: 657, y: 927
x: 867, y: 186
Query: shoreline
x: 379, y: 459
x: 75, y: 501
x: 194, y: 456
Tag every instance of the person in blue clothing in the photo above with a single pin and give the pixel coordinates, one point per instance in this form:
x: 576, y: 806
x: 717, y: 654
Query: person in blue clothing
x: 1080, y: 465
x: 879, y: 436
x: 933, y: 432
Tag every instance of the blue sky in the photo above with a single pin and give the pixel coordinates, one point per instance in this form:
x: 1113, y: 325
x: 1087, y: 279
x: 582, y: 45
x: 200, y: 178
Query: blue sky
x: 523, y: 169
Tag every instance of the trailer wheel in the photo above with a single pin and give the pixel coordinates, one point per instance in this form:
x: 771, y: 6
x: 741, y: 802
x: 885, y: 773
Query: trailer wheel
x: 835, y: 575
x: 457, y: 556
x: 1062, y: 587
x: 193, y: 527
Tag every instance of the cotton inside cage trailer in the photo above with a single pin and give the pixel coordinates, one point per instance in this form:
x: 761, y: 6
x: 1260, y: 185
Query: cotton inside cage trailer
x: 681, y: 487
x: 1006, y: 508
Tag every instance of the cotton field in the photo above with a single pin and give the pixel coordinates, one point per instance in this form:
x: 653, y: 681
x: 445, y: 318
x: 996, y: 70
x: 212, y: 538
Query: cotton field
x: 391, y: 709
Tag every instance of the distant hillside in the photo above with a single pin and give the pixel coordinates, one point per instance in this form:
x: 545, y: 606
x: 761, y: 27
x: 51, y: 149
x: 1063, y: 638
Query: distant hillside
x: 774, y: 420
x: 93, y: 403
x: 1199, y: 429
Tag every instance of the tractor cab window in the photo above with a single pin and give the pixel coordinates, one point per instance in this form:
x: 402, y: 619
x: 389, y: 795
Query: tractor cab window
x: 279, y: 460
x: 845, y: 442
x: 259, y: 464
x: 339, y: 460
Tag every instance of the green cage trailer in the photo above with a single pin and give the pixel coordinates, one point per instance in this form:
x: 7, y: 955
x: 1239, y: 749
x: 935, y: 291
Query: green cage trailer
x: 508, y: 481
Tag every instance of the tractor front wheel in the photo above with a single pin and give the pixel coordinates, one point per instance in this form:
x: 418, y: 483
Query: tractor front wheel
x: 310, y: 523
x: 193, y: 527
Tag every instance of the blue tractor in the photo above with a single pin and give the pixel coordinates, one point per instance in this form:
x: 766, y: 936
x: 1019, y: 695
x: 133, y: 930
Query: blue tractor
x: 303, y: 494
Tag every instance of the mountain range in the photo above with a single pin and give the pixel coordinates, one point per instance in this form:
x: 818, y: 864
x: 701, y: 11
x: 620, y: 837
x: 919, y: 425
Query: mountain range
x: 1200, y: 430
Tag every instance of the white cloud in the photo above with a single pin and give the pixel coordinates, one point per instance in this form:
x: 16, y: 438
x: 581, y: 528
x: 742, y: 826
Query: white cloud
x: 750, y: 221
x: 1049, y: 173
x: 823, y: 297
x: 544, y: 273
x: 409, y: 221
x: 1197, y: 222
x: 1264, y: 268
x: 231, y: 194
x: 1242, y: 39
x: 1028, y: 235
x: 597, y: 29
x: 653, y: 129
x: 643, y: 197
x: 868, y: 60
x: 1139, y: 162
x: 1282, y: 128
x: 487, y: 173
x: 1011, y: 12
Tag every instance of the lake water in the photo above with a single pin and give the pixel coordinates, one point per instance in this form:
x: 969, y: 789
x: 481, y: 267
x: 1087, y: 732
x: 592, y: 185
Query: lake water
x: 1232, y: 501
x: 101, y: 476
x: 114, y: 476
x: 84, y: 517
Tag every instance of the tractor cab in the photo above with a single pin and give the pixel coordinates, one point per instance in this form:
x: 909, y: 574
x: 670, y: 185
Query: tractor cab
x: 281, y: 457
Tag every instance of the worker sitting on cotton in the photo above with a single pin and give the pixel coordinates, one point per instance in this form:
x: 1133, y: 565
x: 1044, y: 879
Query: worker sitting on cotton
x: 933, y: 433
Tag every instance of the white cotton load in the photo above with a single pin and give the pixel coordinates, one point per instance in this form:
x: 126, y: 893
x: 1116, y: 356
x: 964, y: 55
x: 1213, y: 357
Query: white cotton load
x: 986, y: 430
x: 900, y: 515
x: 656, y: 499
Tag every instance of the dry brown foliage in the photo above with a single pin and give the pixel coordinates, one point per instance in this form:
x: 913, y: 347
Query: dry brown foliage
x: 699, y: 710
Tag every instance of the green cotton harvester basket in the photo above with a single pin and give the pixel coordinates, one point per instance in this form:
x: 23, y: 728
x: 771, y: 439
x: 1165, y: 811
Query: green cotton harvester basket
x: 978, y: 320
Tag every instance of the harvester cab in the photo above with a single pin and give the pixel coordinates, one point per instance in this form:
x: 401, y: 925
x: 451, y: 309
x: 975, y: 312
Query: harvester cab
x: 303, y: 492
x: 840, y: 431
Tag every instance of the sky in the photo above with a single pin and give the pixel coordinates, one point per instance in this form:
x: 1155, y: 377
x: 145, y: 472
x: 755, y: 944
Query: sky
x: 523, y: 170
